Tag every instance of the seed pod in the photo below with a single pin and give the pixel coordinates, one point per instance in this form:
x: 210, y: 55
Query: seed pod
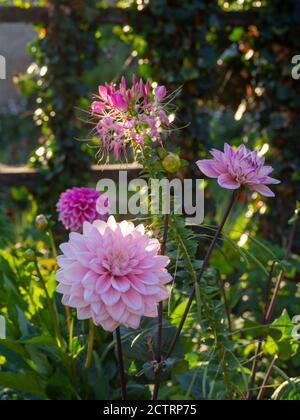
x: 41, y: 222
x: 171, y: 163
x: 29, y: 255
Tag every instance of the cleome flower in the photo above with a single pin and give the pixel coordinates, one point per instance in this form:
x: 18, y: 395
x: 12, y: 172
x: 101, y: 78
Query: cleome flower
x: 235, y: 168
x: 79, y: 205
x: 112, y: 273
x: 129, y: 115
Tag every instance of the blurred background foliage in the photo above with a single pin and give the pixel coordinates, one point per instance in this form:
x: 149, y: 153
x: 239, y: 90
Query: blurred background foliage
x: 236, y: 80
x: 236, y: 87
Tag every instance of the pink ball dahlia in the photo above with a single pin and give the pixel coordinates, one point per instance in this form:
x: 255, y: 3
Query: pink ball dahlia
x: 112, y: 273
x: 235, y: 168
x: 76, y: 206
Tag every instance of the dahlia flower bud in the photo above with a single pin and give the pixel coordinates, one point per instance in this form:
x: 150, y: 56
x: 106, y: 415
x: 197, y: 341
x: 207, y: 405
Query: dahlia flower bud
x: 41, y: 222
x: 112, y: 273
x: 78, y: 205
x: 29, y: 255
x: 235, y: 168
x: 171, y: 163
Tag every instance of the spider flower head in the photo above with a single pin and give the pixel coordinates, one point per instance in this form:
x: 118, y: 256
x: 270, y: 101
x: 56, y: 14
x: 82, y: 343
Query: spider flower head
x: 234, y: 168
x: 112, y: 273
x: 79, y: 205
x: 132, y: 115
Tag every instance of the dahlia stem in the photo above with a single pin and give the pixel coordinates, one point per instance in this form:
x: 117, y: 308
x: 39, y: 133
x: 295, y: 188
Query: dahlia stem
x: 260, y: 342
x: 202, y: 271
x: 67, y: 309
x: 52, y: 243
x: 270, y: 305
x: 160, y: 310
x: 90, y: 344
x: 266, y: 379
x: 121, y: 364
x: 51, y: 305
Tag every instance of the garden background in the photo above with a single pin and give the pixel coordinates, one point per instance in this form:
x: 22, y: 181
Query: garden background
x: 233, y: 60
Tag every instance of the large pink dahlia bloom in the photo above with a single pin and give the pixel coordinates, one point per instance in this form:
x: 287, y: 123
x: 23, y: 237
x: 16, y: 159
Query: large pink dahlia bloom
x: 112, y: 273
x: 235, y: 168
x: 78, y: 205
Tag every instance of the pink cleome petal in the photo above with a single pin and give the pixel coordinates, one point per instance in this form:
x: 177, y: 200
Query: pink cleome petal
x: 112, y: 273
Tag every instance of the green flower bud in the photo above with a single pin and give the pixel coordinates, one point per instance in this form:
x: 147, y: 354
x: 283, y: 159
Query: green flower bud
x: 29, y: 255
x: 41, y: 222
x: 171, y: 163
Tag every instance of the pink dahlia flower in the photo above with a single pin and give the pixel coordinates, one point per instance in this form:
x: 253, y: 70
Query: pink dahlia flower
x: 235, y: 168
x: 76, y: 206
x: 112, y: 273
x: 132, y: 115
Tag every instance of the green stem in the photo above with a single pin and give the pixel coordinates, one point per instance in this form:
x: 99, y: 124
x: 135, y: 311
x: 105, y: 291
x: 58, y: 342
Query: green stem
x: 121, y: 364
x: 160, y: 310
x: 202, y: 270
x: 90, y: 344
x: 51, y: 305
x: 52, y: 243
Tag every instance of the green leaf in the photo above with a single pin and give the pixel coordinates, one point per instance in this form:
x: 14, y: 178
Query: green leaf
x: 236, y: 34
x: 284, y: 324
x: 22, y: 382
x: 288, y: 390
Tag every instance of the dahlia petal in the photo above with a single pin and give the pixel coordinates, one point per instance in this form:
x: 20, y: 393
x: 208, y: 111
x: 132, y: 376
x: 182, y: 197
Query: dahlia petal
x: 89, y: 280
x: 89, y: 296
x: 161, y: 261
x: 269, y: 180
x: 151, y: 290
x: 100, y: 226
x: 109, y: 324
x: 76, y: 302
x: 153, y: 246
x: 126, y: 227
x: 120, y: 284
x: 111, y: 296
x: 132, y: 299
x: 84, y: 313
x: 263, y: 190
x: 112, y: 223
x: 265, y: 170
x: 116, y: 311
x: 65, y: 299
x: 63, y: 289
x: 87, y: 227
x: 84, y: 258
x: 98, y: 308
x: 207, y: 167
x: 141, y: 229
x: 151, y: 311
x: 64, y: 262
x: 165, y: 278
x: 226, y: 181
x: 149, y: 278
x: 138, y: 285
x: 133, y: 321
x: 65, y: 248
x: 75, y: 272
